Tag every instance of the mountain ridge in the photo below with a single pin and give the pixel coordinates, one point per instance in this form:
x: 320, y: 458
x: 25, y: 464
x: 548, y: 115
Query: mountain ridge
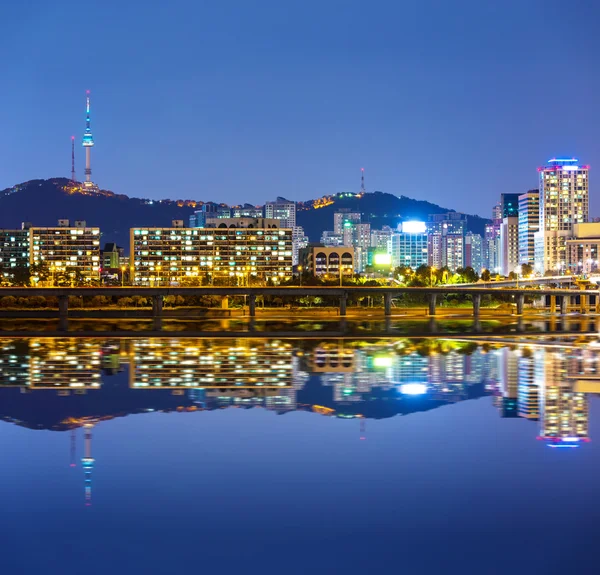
x: 44, y: 202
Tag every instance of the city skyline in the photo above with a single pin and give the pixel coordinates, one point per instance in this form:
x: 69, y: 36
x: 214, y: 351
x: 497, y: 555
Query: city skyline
x: 248, y: 131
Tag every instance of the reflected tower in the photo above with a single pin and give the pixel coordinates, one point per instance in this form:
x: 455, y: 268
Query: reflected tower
x: 88, y: 463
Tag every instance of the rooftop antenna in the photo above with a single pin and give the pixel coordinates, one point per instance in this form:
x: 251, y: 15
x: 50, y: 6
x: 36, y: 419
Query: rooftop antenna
x: 73, y: 159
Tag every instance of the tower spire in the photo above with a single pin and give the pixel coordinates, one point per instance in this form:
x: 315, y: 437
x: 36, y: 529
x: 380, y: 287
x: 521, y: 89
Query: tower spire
x: 362, y: 180
x: 88, y: 143
x: 73, y: 159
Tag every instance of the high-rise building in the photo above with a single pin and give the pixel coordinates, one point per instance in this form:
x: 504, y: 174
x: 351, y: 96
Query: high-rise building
x: 331, y: 239
x: 474, y: 251
x: 491, y: 248
x: 343, y: 217
x: 299, y: 241
x: 509, y: 205
x: 74, y: 250
x: 235, y: 250
x: 409, y: 246
x: 529, y: 224
x: 380, y: 239
x: 358, y: 236
x: 446, y: 240
x: 564, y: 202
x: 282, y: 210
x: 497, y: 213
x: 509, y: 245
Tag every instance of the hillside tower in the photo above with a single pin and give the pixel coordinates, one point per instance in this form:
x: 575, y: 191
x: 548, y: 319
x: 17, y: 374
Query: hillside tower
x: 88, y: 144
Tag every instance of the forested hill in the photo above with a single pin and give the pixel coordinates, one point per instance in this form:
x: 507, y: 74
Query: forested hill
x: 44, y: 202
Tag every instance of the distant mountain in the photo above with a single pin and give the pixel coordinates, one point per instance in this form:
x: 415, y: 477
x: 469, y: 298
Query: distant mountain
x: 44, y: 202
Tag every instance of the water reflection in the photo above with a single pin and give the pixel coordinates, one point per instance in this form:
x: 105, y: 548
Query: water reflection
x: 64, y: 384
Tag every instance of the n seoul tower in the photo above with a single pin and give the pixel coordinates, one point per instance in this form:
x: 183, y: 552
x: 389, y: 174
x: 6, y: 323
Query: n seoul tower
x: 88, y: 143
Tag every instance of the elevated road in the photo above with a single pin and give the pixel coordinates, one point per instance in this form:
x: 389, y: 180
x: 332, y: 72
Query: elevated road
x: 588, y: 298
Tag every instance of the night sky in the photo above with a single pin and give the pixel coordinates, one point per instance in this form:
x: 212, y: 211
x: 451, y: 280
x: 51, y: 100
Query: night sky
x: 453, y: 102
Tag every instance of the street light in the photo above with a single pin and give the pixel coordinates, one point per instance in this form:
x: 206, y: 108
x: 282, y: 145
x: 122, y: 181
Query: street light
x: 123, y: 268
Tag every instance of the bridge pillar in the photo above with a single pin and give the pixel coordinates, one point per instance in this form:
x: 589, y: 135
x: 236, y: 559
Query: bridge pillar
x: 225, y: 302
x: 583, y: 304
x: 552, y: 304
x: 520, y: 303
x: 387, y: 303
x: 343, y: 301
x: 476, y: 304
x: 252, y: 305
x: 597, y: 296
x: 432, y: 302
x: 63, y: 306
x: 157, y: 305
x: 564, y: 304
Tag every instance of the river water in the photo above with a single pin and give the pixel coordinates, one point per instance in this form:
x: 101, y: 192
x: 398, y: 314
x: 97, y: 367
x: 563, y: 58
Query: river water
x: 321, y: 455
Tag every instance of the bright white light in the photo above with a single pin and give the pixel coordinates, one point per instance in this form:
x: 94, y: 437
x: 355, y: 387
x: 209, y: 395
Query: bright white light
x: 570, y: 168
x: 413, y: 227
x: 382, y: 361
x: 413, y: 389
x: 571, y: 439
x: 382, y: 259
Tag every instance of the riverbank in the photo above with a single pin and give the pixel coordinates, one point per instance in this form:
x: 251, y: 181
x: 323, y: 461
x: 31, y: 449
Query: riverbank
x: 280, y: 312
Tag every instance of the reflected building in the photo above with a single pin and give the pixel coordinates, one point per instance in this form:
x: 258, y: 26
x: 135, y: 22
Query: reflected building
x: 341, y: 378
x: 563, y: 411
x: 188, y: 363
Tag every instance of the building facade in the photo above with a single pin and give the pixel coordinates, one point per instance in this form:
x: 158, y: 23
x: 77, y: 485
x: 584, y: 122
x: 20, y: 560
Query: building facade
x: 14, y: 252
x: 71, y: 249
x: 409, y: 248
x: 321, y: 260
x: 509, y: 205
x: 509, y: 245
x: 474, y: 251
x: 583, y: 248
x: 222, y: 255
x: 529, y: 225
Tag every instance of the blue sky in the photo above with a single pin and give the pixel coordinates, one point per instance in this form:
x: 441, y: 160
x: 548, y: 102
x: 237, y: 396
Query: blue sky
x: 453, y: 102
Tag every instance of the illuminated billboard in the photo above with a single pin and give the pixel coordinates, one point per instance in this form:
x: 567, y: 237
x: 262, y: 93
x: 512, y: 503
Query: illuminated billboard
x: 382, y: 259
x: 414, y: 227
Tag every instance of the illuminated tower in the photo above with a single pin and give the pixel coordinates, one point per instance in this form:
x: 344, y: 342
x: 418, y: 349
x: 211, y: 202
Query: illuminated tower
x: 88, y: 463
x: 88, y: 143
